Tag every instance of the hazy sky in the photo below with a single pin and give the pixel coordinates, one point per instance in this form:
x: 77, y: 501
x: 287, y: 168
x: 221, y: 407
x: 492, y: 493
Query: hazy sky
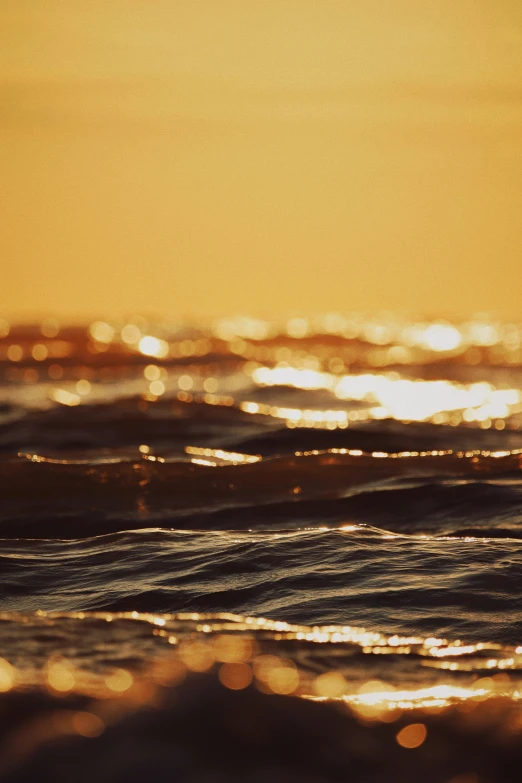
x: 261, y: 156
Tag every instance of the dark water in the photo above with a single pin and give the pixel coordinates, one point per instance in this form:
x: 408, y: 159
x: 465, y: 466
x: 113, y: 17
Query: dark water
x: 308, y: 481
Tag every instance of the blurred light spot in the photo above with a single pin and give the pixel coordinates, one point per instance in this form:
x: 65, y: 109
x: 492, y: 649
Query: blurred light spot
x: 152, y: 372
x: 278, y: 674
x: 130, y: 334
x: 232, y: 649
x: 50, y: 328
x: 157, y: 388
x: 484, y: 334
x: 101, y: 331
x: 15, y: 353
x: 378, y: 334
x: 87, y: 725
x: 283, y: 679
x: 60, y: 349
x: 119, y: 681
x: 263, y: 664
x: 152, y: 346
x: 235, y: 676
x: 442, y: 337
x: 197, y: 656
x: 412, y: 736
x: 203, y: 346
x: 185, y: 382
x: 187, y: 347
x: 39, y: 352
x: 65, y: 397
x: 7, y: 675
x: 330, y: 685
x: 170, y: 671
x: 210, y: 385
x: 248, y: 328
x: 83, y: 386
x: 297, y: 328
x: 60, y: 676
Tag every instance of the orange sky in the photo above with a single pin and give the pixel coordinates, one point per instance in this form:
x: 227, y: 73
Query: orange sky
x: 261, y: 156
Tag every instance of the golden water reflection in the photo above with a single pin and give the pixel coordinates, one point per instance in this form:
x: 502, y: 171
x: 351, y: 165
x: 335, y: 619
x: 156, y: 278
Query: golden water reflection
x: 387, y: 396
x: 360, y: 362
x: 274, y: 657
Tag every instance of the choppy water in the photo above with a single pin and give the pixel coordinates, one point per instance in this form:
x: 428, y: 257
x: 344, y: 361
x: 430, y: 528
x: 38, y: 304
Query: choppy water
x: 317, y: 479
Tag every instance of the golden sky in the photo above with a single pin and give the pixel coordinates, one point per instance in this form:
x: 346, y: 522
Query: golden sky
x: 261, y: 156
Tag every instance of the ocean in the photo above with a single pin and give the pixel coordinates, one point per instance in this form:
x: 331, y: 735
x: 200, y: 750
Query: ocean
x: 326, y: 511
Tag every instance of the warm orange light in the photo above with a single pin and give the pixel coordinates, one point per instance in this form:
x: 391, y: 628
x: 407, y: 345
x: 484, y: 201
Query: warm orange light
x: 119, y: 681
x: 330, y: 685
x: 232, y: 649
x: 39, y: 352
x: 235, y: 676
x: 153, y: 346
x: 197, y: 656
x: 279, y: 675
x: 60, y: 675
x: 412, y: 736
x: 7, y: 675
x: 65, y: 397
x: 157, y: 388
x: 101, y: 331
x: 152, y: 372
x: 15, y: 353
x: 185, y: 382
x: 130, y: 334
x: 83, y: 386
x: 86, y: 724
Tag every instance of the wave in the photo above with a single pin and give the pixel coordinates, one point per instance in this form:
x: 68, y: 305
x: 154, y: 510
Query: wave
x: 166, y: 422
x: 431, y: 585
x: 215, y: 479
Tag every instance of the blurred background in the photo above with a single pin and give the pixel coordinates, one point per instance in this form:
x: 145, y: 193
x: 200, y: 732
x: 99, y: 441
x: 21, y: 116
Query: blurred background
x: 198, y: 158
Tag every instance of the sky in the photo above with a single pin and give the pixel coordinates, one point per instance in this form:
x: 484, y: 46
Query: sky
x: 264, y: 157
